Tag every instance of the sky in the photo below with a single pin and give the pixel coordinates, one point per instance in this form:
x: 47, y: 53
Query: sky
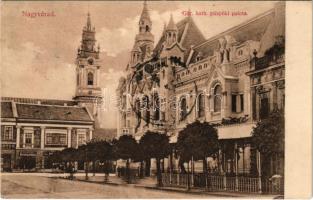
x: 38, y: 54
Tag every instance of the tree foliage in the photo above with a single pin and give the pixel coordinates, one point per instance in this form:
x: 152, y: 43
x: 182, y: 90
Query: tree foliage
x: 269, y: 134
x: 125, y: 147
x: 197, y: 140
x: 155, y: 145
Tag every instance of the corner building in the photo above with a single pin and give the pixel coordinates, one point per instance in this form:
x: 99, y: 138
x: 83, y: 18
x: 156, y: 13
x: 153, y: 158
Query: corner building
x: 186, y: 77
x: 32, y: 129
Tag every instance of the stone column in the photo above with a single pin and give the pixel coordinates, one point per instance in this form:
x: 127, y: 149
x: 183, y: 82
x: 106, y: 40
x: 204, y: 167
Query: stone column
x: 42, y: 137
x: 33, y: 138
x: 69, y: 137
x: 18, y: 136
x: 98, y: 77
x: 24, y: 139
x: 90, y: 134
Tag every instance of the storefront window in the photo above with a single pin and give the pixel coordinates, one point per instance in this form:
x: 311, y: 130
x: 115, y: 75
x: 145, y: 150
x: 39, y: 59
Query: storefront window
x: 56, y: 139
x: 7, y: 133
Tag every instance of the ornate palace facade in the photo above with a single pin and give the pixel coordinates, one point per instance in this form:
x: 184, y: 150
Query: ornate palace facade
x: 231, y: 80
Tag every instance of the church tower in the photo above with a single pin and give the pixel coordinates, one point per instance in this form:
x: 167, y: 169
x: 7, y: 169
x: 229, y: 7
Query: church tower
x: 144, y: 40
x: 88, y: 64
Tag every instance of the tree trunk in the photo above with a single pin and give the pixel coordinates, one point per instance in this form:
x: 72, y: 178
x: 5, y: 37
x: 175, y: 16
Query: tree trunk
x: 147, y: 167
x: 159, y: 174
x: 86, y: 170
x: 127, y: 171
x: 141, y: 169
x: 188, y: 179
x: 106, y: 170
x: 182, y: 167
x: 171, y: 162
x: 94, y: 167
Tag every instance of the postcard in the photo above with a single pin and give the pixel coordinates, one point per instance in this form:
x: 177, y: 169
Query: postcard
x: 156, y: 99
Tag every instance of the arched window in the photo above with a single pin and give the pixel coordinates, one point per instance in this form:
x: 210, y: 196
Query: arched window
x: 147, y: 28
x: 90, y: 78
x: 138, y: 111
x: 201, y: 105
x: 217, y: 98
x: 77, y: 79
x: 124, y: 119
x: 183, y: 108
x: 156, y: 106
x: 145, y: 106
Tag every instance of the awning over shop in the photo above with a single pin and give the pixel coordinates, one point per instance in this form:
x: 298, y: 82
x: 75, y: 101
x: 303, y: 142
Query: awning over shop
x: 235, y: 131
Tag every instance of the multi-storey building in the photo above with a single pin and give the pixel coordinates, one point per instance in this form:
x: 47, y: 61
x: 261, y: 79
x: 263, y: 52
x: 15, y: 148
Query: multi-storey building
x: 30, y: 132
x: 186, y: 77
x: 31, y: 129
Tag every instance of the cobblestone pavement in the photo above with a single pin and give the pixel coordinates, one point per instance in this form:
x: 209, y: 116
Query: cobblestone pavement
x: 44, y: 186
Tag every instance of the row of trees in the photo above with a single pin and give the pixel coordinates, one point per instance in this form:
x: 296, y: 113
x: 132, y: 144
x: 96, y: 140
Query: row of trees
x: 195, y: 142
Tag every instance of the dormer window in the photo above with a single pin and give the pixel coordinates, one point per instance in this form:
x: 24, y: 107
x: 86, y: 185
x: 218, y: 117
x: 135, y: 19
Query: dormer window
x: 239, y: 52
x: 199, y: 57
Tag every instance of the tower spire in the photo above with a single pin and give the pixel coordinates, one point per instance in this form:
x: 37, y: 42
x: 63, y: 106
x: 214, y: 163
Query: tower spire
x: 145, y: 12
x: 171, y: 25
x: 88, y: 21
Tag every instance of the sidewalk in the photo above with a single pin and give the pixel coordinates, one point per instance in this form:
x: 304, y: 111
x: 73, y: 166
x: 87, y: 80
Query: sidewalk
x: 150, y: 183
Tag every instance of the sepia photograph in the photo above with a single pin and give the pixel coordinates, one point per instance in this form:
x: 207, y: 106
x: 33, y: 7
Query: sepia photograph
x: 143, y: 99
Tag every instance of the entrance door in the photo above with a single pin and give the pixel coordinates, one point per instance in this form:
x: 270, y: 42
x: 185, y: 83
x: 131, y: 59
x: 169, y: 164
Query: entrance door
x: 6, y: 162
x: 28, y: 162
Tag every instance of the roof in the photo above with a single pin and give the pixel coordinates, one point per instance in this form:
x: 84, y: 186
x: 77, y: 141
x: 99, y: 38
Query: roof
x: 254, y: 29
x: 42, y: 101
x: 188, y: 34
x: 171, y: 25
x: 6, y: 110
x: 145, y: 12
x: 52, y: 112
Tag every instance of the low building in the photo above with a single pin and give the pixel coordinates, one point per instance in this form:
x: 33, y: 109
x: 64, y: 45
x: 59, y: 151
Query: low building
x: 31, y: 132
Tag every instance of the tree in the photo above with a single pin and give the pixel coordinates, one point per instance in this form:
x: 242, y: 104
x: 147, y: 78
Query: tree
x: 269, y: 138
x: 83, y: 152
x: 197, y: 141
x: 105, y: 155
x: 68, y: 156
x: 93, y: 153
x: 155, y: 145
x: 125, y: 148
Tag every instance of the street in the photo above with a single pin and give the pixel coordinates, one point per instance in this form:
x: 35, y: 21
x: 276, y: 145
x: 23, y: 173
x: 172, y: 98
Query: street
x: 43, y: 186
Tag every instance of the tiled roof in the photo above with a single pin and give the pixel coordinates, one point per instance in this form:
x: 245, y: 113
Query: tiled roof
x: 52, y: 112
x: 251, y: 30
x: 42, y: 101
x: 6, y: 110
